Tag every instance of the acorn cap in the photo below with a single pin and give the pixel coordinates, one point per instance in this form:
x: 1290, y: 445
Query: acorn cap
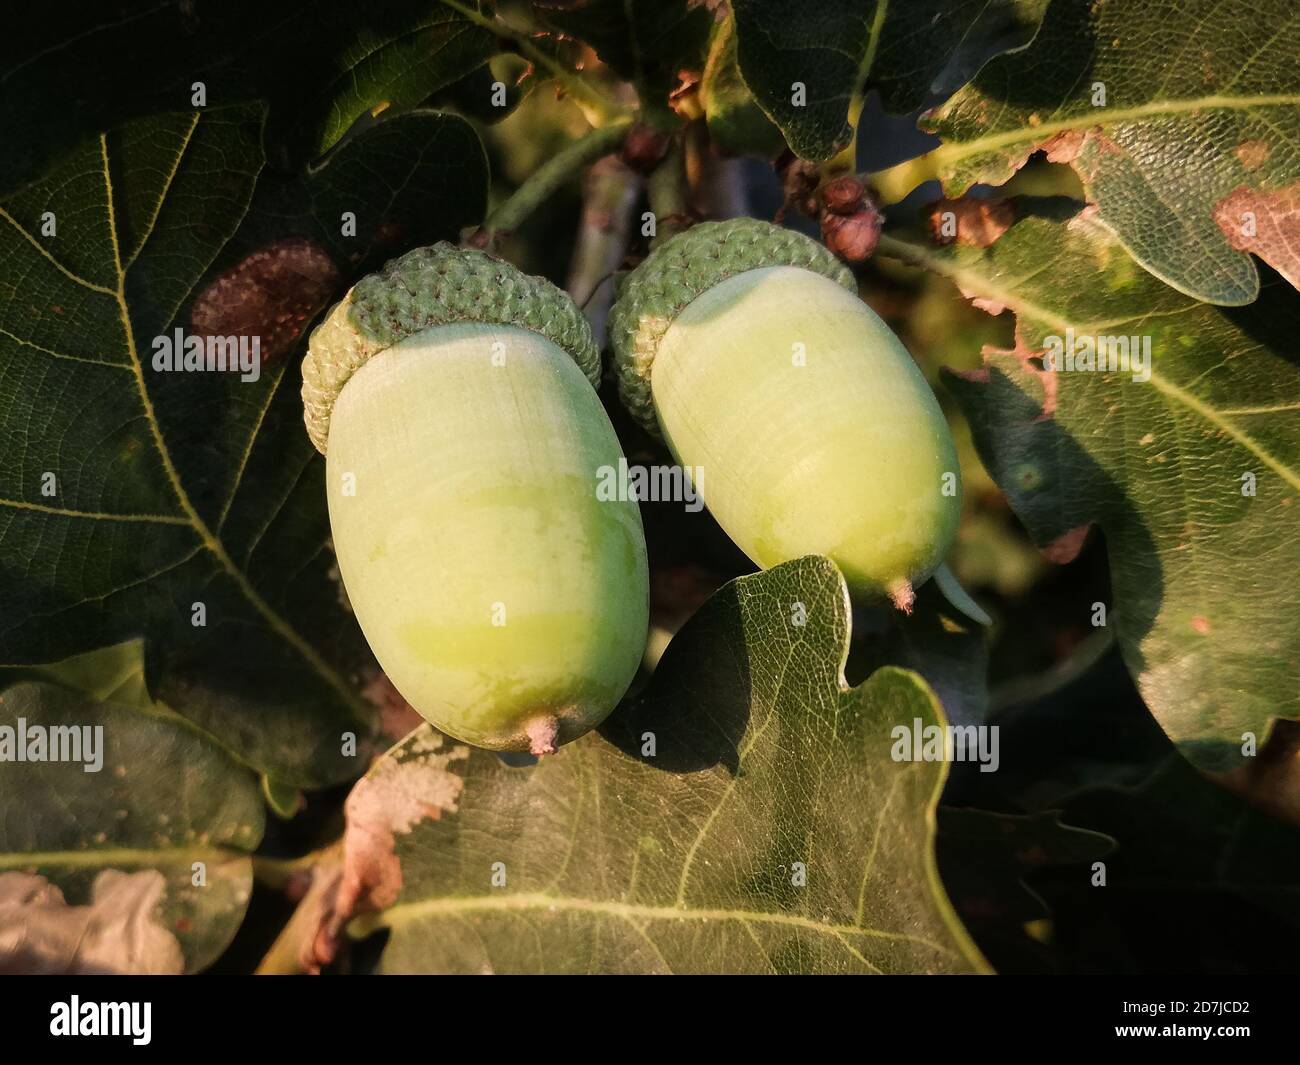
x: 689, y: 264
x: 438, y: 285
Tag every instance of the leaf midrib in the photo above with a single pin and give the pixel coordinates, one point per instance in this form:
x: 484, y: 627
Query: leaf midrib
x: 110, y: 856
x: 189, y: 514
x: 953, y: 151
x: 209, y: 540
x: 403, y: 913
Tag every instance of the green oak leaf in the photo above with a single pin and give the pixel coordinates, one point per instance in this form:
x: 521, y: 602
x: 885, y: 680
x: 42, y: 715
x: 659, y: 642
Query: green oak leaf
x: 1193, y: 475
x: 836, y: 49
x: 766, y: 768
x: 112, y: 674
x: 130, y: 494
x: 1181, y: 117
x: 124, y: 838
x: 318, y: 68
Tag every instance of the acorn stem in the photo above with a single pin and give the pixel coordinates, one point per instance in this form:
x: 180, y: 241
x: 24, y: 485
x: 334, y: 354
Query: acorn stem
x: 669, y: 194
x: 609, y: 199
x: 906, y: 252
x: 547, y: 179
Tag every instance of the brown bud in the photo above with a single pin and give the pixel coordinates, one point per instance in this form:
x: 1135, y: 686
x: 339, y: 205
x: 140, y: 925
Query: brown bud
x: 852, y: 237
x: 799, y: 185
x: 844, y: 195
x: 644, y: 147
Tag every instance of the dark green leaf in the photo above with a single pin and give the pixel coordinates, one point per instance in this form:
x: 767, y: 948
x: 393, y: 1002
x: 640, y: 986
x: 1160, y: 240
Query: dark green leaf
x: 1199, y: 881
x: 129, y: 493
x: 987, y: 856
x: 836, y: 49
x: 318, y: 66
x: 736, y: 122
x: 644, y: 41
x: 948, y: 649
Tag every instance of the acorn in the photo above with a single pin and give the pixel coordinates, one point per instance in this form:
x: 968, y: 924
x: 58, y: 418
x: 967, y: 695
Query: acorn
x: 453, y: 398
x: 746, y: 348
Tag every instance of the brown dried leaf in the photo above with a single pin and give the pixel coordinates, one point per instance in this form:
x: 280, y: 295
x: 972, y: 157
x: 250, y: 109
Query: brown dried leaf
x: 975, y: 223
x: 118, y: 932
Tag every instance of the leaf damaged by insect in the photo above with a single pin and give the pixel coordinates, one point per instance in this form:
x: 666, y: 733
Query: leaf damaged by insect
x: 1265, y: 223
x: 414, y: 782
x: 1156, y: 151
x: 272, y: 294
x: 1217, y: 396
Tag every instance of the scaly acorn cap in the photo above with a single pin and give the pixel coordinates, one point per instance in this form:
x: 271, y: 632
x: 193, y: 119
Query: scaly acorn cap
x: 689, y: 264
x: 438, y: 285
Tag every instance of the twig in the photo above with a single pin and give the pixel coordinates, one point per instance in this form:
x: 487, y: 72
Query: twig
x: 294, y: 948
x: 895, y: 182
x: 547, y: 179
x: 278, y: 872
x: 669, y: 195
x: 609, y: 199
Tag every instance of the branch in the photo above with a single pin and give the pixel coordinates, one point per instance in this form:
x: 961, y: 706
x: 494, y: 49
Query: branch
x: 902, y: 250
x: 317, y: 876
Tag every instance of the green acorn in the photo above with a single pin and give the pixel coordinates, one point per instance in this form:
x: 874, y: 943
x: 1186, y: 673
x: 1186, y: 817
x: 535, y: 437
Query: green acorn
x: 746, y: 348
x: 453, y: 398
